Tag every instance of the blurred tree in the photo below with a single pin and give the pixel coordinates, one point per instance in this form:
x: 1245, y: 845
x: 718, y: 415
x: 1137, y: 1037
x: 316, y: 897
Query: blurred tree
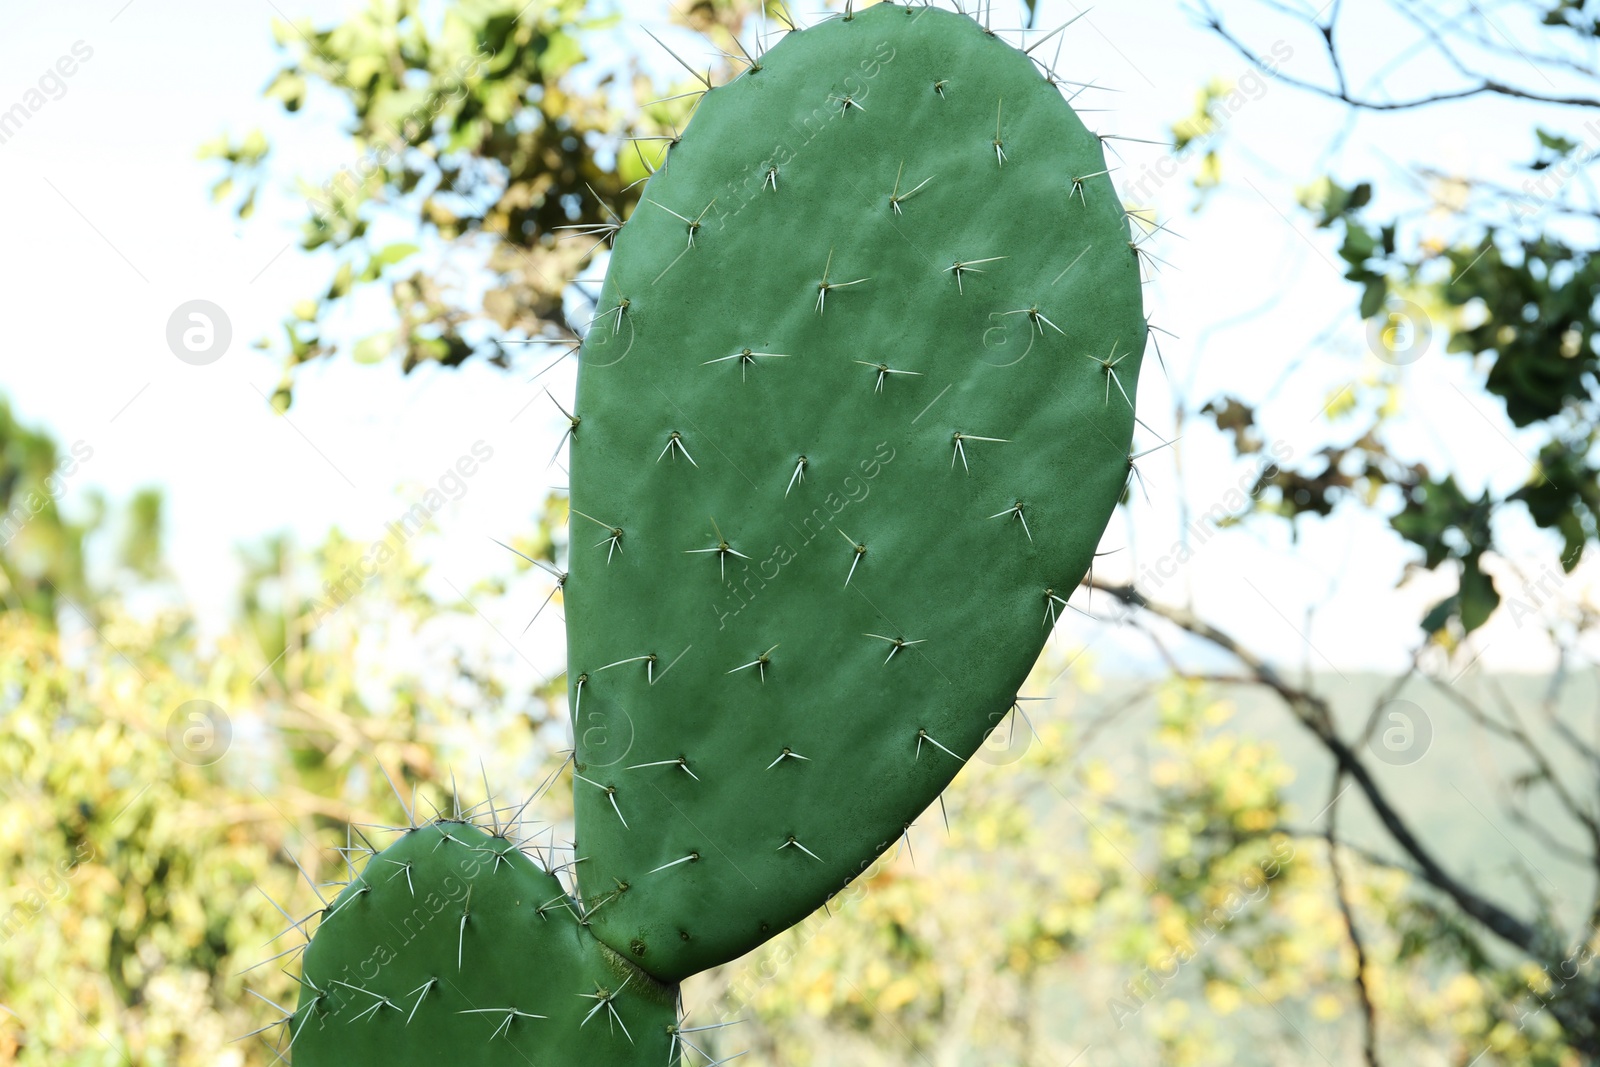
x: 41, y: 552
x: 141, y: 541
x: 44, y: 568
x: 1507, y: 276
x: 165, y: 797
x: 486, y: 133
x: 1511, y: 286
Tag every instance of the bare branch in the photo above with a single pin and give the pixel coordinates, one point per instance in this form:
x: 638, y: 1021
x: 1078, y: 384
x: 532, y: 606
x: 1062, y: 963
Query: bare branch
x: 1313, y: 713
x: 1369, y: 1042
x: 1340, y: 90
x: 1515, y: 732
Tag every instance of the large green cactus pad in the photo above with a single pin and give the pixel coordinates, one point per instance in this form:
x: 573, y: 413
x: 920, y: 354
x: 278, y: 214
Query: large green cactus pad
x: 891, y: 250
x: 454, y: 948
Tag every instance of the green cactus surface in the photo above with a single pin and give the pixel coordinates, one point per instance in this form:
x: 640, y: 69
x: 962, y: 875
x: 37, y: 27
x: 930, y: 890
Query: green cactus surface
x: 854, y: 410
x: 452, y: 948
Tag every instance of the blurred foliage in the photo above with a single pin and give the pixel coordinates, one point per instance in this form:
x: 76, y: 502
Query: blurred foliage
x: 1504, y: 276
x: 1194, y: 928
x: 141, y: 879
x: 479, y: 133
x: 43, y: 552
x: 1199, y: 131
x: 1529, y: 340
x: 1494, y: 279
x: 1580, y: 15
x: 1524, y: 309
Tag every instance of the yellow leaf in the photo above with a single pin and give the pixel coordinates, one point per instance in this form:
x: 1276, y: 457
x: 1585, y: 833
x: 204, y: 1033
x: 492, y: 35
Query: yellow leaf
x: 1223, y: 998
x: 1341, y: 403
x: 1099, y: 779
x: 897, y: 994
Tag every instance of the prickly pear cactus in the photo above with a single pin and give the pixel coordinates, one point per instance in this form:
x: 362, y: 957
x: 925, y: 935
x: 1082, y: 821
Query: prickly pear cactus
x: 453, y: 947
x: 854, y: 414
x: 851, y: 419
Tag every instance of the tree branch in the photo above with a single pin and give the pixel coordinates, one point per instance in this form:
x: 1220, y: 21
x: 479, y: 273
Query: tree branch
x: 1342, y: 94
x: 1369, y: 1042
x: 1314, y: 714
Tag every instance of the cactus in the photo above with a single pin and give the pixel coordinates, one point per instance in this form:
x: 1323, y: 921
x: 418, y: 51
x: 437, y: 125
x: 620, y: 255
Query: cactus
x: 454, y: 947
x: 855, y: 412
x: 852, y: 415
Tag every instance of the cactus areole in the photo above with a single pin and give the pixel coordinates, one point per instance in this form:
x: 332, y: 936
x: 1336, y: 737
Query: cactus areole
x: 855, y: 407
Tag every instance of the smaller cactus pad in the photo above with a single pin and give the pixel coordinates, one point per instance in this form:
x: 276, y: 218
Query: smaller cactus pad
x: 452, y: 948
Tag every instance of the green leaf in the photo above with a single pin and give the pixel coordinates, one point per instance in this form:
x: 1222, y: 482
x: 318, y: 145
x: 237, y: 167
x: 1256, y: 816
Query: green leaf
x: 342, y: 280
x: 254, y: 147
x: 1359, y: 245
x: 386, y: 257
x: 289, y: 88
x: 362, y: 70
x: 1478, y: 595
x: 1440, y: 615
x: 1373, y: 296
x: 374, y: 348
x: 562, y: 53
x: 215, y: 148
x: 1555, y: 142
x: 140, y: 550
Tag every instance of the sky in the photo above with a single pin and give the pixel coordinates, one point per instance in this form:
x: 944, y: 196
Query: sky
x: 111, y: 230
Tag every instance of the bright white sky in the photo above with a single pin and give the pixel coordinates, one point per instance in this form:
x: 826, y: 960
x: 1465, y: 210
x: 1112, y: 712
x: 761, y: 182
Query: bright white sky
x: 110, y: 228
